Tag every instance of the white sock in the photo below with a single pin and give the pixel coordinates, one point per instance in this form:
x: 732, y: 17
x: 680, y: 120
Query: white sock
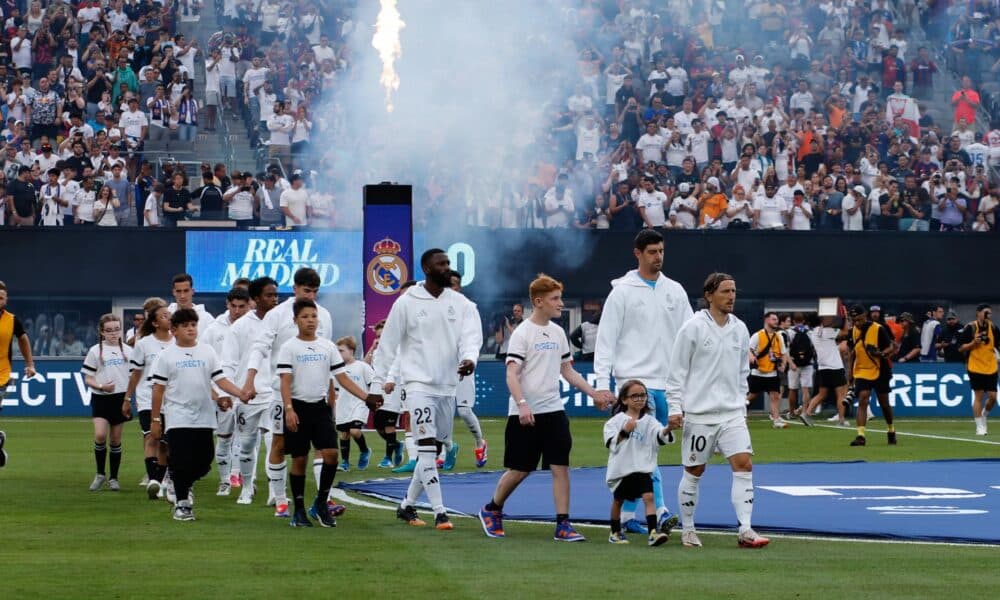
x: 223, y: 450
x: 980, y: 421
x: 234, y: 457
x: 627, y: 515
x: 413, y: 492
x: 428, y: 472
x: 687, y: 499
x: 249, y: 445
x: 742, y: 497
x: 276, y: 481
x: 317, y: 467
x: 411, y: 446
x: 472, y: 422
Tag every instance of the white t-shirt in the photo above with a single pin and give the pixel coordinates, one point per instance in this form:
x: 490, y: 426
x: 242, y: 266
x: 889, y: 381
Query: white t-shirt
x: 255, y: 78
x: 653, y: 203
x: 350, y: 407
x: 637, y: 452
x: 685, y: 219
x: 698, y: 142
x: 824, y: 340
x: 133, y: 122
x: 151, y: 212
x: 108, y: 364
x: 22, y: 56
x: 978, y: 153
x: 855, y: 222
x: 143, y: 358
x: 296, y: 201
x: 540, y: 350
x: 240, y: 205
x: 771, y: 211
x: 801, y: 216
x: 84, y: 202
x: 187, y: 374
x: 212, y: 77
x: 311, y: 365
x: 280, y: 127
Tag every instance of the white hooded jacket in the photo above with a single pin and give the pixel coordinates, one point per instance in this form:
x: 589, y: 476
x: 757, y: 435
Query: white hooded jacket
x: 637, y: 330
x: 205, y: 318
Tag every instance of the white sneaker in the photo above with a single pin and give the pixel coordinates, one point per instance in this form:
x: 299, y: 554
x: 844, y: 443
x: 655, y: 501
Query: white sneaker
x: 246, y: 495
x: 223, y: 489
x: 114, y: 486
x: 270, y: 500
x: 689, y: 539
x: 751, y: 539
x: 871, y: 415
x: 818, y: 410
x: 834, y: 418
x: 98, y: 482
x: 843, y: 424
x: 980, y: 429
x: 154, y: 490
x: 779, y: 423
x: 171, y: 496
x: 144, y: 482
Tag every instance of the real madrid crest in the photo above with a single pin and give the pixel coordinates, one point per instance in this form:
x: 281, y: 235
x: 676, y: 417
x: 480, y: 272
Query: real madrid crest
x: 387, y: 271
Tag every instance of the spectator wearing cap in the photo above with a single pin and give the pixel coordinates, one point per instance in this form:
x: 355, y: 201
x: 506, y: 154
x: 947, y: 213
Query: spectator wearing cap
x: 712, y: 205
x: 952, y: 206
x: 966, y: 101
x: 558, y: 204
x: 22, y: 197
x: 268, y: 201
x: 950, y: 339
x: 909, y: 342
x: 800, y: 211
x: 684, y: 207
x: 295, y: 203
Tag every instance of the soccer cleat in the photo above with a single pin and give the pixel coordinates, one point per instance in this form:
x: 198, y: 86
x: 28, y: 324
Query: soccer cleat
x: 335, y: 509
x: 750, y: 539
x: 183, y: 512
x: 321, y: 513
x: 235, y: 481
x: 892, y: 437
x: 806, y: 419
x: 299, y: 519
x: 843, y: 424
x: 223, y: 488
x: 281, y: 509
x: 451, y: 458
x: 409, y: 467
x: 658, y: 538
x: 114, y: 486
x: 981, y: 429
x: 144, y: 481
x: 442, y: 522
x: 409, y: 515
x: 246, y: 495
x: 270, y: 500
x: 3, y: 453
x: 386, y: 463
x: 617, y: 538
x: 492, y: 522
x: 344, y: 466
x: 666, y: 523
x: 834, y: 419
x: 565, y: 533
x: 98, y: 482
x: 635, y: 526
x: 779, y: 423
x: 364, y: 459
x: 171, y: 495
x: 859, y: 441
x: 397, y: 455
x: 689, y: 539
x: 481, y: 456
x: 153, y: 489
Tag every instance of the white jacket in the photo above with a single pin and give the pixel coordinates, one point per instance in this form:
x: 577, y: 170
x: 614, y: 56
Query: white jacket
x: 205, y: 318
x: 709, y: 369
x: 279, y: 327
x: 431, y: 336
x: 235, y: 356
x: 637, y: 330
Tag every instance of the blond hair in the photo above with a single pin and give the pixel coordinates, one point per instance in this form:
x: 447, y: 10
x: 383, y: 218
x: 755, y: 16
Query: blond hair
x: 349, y: 341
x: 543, y: 284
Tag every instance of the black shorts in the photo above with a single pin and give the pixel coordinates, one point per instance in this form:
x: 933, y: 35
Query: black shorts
x: 763, y: 384
x: 879, y: 386
x: 145, y: 421
x: 108, y: 407
x: 548, y: 440
x: 191, y: 452
x: 983, y: 383
x: 385, y: 418
x: 346, y: 427
x: 315, y: 428
x: 633, y: 486
x: 832, y: 378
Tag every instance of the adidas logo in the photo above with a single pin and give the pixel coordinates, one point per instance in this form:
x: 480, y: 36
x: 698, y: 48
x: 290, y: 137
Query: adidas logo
x: 435, y: 480
x: 688, y: 504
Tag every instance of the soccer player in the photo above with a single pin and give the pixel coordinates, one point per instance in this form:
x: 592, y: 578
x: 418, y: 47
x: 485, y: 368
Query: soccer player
x: 307, y: 366
x: 979, y: 340
x: 869, y: 343
x: 465, y: 396
x: 393, y: 409
x: 11, y: 329
x: 385, y: 419
x: 237, y: 304
x: 105, y: 370
x: 768, y: 355
x: 277, y: 328
x: 634, y: 338
x: 253, y: 417
x: 151, y: 339
x: 537, y: 426
x: 428, y: 329
x: 707, y: 386
x: 352, y: 412
x: 183, y: 292
x: 182, y: 391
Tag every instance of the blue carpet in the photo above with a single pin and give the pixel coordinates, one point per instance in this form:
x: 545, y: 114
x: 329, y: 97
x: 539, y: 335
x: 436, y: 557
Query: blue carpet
x: 953, y: 500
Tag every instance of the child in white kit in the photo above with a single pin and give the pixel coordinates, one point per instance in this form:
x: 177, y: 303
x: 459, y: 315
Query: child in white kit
x: 633, y: 436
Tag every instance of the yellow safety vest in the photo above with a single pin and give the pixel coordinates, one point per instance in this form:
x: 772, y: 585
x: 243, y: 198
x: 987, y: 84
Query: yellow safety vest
x: 6, y: 345
x: 982, y: 360
x: 866, y: 366
x: 769, y: 362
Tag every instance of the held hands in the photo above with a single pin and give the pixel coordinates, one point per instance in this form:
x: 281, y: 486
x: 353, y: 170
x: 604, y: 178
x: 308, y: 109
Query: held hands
x: 604, y: 399
x: 156, y: 430
x: 225, y: 402
x: 388, y: 387
x: 466, y: 367
x: 675, y: 422
x: 249, y: 392
x: 127, y: 409
x: 291, y: 420
x: 374, y: 401
x: 525, y: 416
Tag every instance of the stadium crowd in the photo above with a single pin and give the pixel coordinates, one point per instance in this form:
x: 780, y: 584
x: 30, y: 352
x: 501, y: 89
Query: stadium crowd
x: 813, y: 114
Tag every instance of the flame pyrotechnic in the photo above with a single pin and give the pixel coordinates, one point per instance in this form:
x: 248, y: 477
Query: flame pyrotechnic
x: 386, y: 41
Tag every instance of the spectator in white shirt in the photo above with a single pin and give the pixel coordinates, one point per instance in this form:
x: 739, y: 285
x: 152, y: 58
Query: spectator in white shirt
x: 559, y: 207
x: 281, y: 126
x: 770, y: 211
x: 853, y: 206
x: 650, y: 145
x: 652, y: 204
x: 294, y: 203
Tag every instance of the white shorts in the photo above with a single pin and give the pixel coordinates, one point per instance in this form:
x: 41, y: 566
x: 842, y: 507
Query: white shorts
x: 225, y: 421
x: 465, y: 393
x: 700, y: 441
x: 251, y: 417
x: 801, y: 377
x: 431, y: 416
x: 396, y: 401
x: 276, y: 421
x: 350, y: 411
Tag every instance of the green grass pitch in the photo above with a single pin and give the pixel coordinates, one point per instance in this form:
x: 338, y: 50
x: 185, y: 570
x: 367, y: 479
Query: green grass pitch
x: 57, y: 540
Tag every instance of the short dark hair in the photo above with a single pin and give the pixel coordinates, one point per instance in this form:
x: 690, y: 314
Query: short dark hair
x: 425, y: 258
x: 183, y: 316
x: 308, y: 277
x: 181, y: 278
x: 646, y: 237
x: 243, y: 282
x: 301, y: 305
x: 257, y: 286
x: 238, y: 293
x: 768, y: 314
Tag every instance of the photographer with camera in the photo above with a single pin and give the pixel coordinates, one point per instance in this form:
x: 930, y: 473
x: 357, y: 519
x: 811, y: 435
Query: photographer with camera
x: 980, y: 341
x: 240, y: 199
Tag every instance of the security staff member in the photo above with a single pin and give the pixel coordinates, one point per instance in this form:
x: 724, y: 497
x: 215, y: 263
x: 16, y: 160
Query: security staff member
x: 979, y: 340
x: 22, y: 196
x: 869, y: 344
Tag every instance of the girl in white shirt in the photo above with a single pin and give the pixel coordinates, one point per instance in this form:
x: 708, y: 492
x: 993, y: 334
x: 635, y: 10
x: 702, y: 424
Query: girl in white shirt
x: 104, y: 207
x: 153, y: 207
x: 105, y: 371
x: 633, y: 436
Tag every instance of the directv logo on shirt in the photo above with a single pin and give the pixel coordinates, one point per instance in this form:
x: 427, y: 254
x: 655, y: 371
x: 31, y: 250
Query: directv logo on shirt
x: 194, y: 363
x: 309, y: 358
x: 114, y: 362
x: 546, y: 346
